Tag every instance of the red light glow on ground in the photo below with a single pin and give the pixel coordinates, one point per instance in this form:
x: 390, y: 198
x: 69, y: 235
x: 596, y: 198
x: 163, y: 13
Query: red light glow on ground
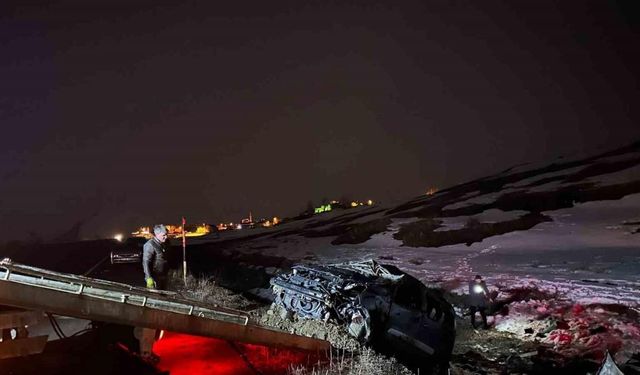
x: 185, y: 354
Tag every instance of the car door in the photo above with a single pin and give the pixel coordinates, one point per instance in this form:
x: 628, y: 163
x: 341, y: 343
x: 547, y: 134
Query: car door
x: 407, y: 320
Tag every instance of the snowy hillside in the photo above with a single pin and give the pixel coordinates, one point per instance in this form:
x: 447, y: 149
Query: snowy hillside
x: 575, y: 224
x: 568, y: 232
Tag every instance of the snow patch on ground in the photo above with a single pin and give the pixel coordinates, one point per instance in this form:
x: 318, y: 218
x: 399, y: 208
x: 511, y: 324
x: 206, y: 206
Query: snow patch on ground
x: 480, y: 199
x: 488, y: 216
x: 619, y: 177
x: 527, y: 181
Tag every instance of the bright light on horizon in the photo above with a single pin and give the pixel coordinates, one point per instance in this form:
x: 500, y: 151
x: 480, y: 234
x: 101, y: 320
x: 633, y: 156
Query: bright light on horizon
x: 118, y: 237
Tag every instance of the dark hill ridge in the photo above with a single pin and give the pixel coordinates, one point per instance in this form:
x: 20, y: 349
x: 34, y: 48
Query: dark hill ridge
x: 570, y: 182
x: 572, y: 187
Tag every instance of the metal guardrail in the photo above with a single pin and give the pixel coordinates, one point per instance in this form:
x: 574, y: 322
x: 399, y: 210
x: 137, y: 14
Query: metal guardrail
x: 113, y: 291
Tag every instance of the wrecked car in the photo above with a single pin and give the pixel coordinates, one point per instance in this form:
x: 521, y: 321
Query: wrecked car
x: 377, y: 304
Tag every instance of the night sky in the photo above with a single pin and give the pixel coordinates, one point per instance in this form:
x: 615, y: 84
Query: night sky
x: 119, y: 114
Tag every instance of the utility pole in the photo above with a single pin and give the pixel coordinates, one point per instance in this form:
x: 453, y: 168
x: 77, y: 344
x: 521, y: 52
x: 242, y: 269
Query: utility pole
x: 184, y: 252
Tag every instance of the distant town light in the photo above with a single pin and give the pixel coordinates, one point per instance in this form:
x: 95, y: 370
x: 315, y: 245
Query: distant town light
x: 369, y: 202
x: 321, y: 209
x: 118, y: 237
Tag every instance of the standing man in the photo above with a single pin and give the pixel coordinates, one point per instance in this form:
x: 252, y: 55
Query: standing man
x: 478, y: 300
x: 154, y: 259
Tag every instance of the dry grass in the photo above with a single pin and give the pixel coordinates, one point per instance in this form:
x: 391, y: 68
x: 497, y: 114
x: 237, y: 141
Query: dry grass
x: 365, y: 362
x: 205, y: 289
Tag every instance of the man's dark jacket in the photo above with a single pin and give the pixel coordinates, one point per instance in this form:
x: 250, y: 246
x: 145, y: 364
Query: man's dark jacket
x: 154, y: 259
